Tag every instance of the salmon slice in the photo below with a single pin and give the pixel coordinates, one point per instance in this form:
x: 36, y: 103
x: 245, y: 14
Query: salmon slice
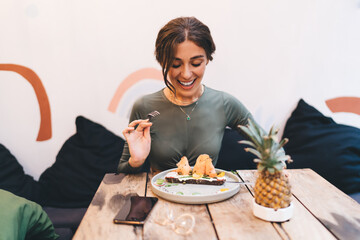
x: 183, y: 166
x: 209, y: 168
x: 200, y: 167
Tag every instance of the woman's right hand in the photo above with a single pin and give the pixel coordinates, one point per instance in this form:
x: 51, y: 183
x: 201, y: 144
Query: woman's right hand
x: 139, y: 141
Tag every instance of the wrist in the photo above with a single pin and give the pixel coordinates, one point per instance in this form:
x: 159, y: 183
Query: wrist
x: 135, y: 163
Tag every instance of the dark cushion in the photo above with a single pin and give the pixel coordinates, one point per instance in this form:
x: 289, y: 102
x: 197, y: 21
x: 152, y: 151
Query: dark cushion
x: 14, y: 179
x: 232, y: 155
x: 65, y: 220
x: 80, y: 165
x: 65, y: 217
x: 356, y: 196
x: 319, y: 143
x: 64, y: 233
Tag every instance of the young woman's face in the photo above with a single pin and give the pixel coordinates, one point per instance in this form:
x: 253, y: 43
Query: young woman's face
x: 187, y: 70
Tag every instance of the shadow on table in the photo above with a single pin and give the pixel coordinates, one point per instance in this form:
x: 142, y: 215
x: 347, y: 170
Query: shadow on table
x: 343, y: 229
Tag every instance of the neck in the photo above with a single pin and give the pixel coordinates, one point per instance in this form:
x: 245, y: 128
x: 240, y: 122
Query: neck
x: 172, y: 97
x: 190, y: 101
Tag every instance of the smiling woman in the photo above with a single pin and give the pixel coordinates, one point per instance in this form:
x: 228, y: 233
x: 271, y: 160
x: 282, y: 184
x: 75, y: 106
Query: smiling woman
x: 173, y: 42
x: 187, y: 73
x: 192, y: 116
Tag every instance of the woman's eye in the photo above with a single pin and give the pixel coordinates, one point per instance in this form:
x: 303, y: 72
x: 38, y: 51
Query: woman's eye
x: 176, y: 66
x: 196, y: 65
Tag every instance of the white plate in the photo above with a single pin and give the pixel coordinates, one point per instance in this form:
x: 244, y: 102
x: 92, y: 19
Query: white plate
x: 195, y: 193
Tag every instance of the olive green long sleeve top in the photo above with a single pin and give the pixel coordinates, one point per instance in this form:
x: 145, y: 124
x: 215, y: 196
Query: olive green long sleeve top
x: 174, y: 136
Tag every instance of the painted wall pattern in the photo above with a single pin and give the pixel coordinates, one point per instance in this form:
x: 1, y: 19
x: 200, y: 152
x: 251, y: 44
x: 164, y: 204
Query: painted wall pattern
x: 344, y: 104
x: 129, y: 81
x: 40, y: 92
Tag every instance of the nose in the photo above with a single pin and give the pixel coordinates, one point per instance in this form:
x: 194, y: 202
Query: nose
x: 186, y: 73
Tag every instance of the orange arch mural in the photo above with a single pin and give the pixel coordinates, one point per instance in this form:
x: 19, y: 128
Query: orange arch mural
x: 43, y: 101
x: 344, y: 104
x: 129, y: 81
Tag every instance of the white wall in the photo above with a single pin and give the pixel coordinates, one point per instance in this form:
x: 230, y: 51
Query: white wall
x: 269, y: 54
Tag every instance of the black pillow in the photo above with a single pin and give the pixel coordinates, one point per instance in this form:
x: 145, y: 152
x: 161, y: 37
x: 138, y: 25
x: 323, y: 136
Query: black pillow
x: 319, y: 143
x: 232, y: 155
x: 14, y: 179
x: 80, y: 165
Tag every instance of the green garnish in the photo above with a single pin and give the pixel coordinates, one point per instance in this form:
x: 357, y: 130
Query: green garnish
x: 159, y: 181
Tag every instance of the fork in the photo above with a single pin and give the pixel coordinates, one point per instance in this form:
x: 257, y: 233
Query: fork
x: 153, y: 114
x: 249, y: 183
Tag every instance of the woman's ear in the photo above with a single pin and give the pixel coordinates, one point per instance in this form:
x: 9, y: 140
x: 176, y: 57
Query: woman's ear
x: 207, y: 61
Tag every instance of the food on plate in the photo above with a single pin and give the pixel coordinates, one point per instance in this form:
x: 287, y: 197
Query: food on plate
x: 204, y: 166
x: 183, y: 166
x: 199, y: 167
x: 202, y: 173
x: 209, y: 168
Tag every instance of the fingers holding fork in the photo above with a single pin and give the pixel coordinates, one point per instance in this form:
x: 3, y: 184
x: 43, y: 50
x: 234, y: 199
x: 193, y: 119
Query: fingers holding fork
x: 141, y: 125
x: 138, y: 125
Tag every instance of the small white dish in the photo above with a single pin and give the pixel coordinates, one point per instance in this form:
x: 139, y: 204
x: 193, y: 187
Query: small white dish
x: 269, y: 214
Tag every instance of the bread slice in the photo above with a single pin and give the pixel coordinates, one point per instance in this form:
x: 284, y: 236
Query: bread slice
x: 191, y: 180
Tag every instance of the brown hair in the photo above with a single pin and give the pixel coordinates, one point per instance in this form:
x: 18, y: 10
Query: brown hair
x: 177, y: 31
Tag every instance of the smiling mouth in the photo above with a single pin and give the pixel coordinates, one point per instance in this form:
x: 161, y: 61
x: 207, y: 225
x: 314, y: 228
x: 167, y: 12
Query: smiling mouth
x: 187, y: 84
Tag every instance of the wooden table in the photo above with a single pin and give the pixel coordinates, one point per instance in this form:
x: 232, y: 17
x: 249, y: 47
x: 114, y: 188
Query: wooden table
x: 321, y: 212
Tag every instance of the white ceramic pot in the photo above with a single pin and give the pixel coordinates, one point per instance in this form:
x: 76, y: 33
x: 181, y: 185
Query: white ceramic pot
x: 269, y: 214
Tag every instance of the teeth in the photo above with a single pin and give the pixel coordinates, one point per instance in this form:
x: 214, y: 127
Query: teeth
x: 187, y: 83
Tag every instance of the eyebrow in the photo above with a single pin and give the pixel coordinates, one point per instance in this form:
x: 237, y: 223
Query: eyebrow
x: 195, y: 57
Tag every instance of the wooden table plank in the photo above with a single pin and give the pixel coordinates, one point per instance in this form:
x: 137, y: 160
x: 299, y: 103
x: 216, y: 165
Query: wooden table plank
x: 109, y: 198
x: 203, y: 228
x: 302, y: 225
x: 233, y: 219
x: 336, y: 210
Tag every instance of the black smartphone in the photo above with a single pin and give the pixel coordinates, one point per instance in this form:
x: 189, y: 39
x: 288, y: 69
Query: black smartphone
x: 135, y: 210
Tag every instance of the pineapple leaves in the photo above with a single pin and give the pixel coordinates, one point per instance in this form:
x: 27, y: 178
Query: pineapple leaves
x: 256, y: 131
x: 283, y: 142
x: 261, y: 167
x: 249, y: 134
x: 248, y: 143
x: 279, y: 166
x: 269, y: 151
x: 253, y: 151
x: 283, y: 158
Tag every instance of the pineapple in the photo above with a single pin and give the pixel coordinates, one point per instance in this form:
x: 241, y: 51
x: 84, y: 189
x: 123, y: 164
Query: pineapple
x: 272, y: 187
